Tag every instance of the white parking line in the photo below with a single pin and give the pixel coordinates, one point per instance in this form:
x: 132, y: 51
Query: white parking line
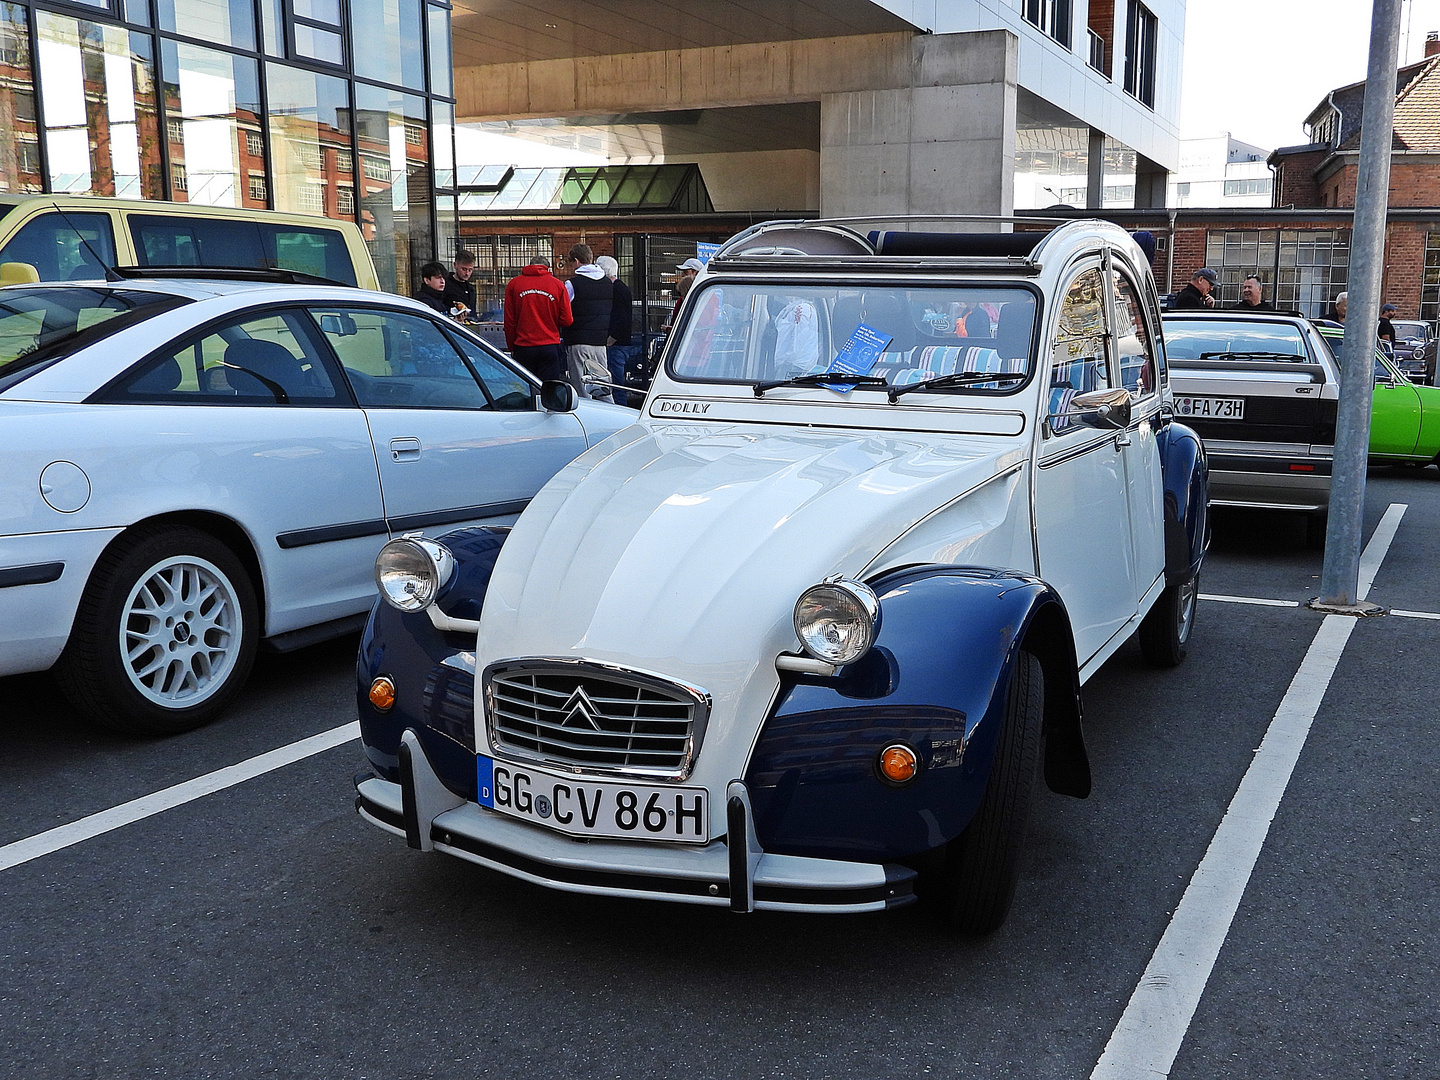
x: 63, y: 836
x: 1153, y: 1026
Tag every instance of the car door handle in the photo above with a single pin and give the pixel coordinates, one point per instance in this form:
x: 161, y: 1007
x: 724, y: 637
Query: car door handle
x: 405, y: 449
x: 1122, y: 438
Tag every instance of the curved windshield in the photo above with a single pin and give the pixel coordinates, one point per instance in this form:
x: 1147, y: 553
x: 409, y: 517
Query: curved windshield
x: 753, y: 333
x: 1220, y: 339
x: 41, y: 325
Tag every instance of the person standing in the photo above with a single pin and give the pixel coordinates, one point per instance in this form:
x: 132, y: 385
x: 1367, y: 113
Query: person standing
x: 431, y: 292
x: 1252, y: 296
x: 592, y: 296
x: 1337, y: 309
x: 618, y: 349
x: 1386, y: 332
x: 1200, y: 293
x: 537, y: 308
x: 459, y: 288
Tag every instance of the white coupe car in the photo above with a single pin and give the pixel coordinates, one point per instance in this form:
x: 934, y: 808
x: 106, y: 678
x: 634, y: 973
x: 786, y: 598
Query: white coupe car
x: 194, y: 466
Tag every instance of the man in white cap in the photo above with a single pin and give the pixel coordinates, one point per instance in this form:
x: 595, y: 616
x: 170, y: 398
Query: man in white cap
x: 688, y: 269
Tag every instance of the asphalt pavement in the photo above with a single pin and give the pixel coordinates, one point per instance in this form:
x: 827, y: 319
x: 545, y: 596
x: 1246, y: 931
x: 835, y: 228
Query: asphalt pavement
x: 266, y: 931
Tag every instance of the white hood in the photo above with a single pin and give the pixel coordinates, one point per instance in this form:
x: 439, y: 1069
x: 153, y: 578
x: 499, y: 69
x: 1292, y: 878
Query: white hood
x: 684, y: 548
x: 681, y: 551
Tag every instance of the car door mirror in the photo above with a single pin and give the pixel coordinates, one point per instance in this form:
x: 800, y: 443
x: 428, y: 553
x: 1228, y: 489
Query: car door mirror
x: 1099, y: 409
x: 340, y: 325
x: 557, y: 396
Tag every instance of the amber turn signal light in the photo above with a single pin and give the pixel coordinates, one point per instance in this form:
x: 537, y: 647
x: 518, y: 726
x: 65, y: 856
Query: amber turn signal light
x: 382, y: 693
x: 898, y: 764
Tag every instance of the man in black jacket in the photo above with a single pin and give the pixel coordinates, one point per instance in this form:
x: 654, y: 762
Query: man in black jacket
x: 460, y: 288
x: 431, y: 292
x: 1252, y: 296
x: 592, y: 298
x: 1200, y: 293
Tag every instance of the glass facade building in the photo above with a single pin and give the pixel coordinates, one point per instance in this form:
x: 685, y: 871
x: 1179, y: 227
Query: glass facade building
x: 338, y: 108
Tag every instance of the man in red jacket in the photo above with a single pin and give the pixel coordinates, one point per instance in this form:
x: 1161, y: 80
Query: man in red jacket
x: 536, y: 307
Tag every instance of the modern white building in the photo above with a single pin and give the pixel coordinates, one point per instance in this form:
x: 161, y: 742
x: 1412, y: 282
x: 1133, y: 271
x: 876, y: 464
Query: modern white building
x: 1221, y: 171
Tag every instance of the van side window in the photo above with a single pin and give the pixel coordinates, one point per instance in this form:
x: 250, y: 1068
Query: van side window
x: 56, y: 245
x: 321, y: 252
x: 223, y: 242
x: 196, y: 241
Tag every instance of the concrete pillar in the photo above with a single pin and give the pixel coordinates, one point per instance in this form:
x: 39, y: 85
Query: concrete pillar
x: 1151, y: 181
x: 1095, y: 171
x: 943, y: 144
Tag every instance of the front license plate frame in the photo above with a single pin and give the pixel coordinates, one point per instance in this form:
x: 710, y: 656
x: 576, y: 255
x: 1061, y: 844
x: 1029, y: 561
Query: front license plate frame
x: 1209, y: 408
x: 593, y: 809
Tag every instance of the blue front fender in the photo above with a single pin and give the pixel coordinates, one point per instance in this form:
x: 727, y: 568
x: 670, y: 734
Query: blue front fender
x: 936, y: 680
x: 433, y: 672
x: 1187, y: 501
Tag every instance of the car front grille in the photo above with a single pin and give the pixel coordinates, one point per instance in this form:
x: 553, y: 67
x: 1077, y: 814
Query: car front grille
x: 595, y: 717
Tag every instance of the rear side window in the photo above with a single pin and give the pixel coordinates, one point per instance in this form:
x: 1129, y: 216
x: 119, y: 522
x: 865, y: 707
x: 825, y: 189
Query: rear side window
x: 64, y: 247
x: 321, y: 252
x: 40, y: 326
x: 222, y: 242
x: 263, y: 358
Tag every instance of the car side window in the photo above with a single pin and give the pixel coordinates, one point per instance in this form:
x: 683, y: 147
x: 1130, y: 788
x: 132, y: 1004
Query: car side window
x: 1132, y: 339
x: 400, y: 361
x: 64, y: 247
x: 1077, y: 359
x: 507, y: 389
x: 257, y: 359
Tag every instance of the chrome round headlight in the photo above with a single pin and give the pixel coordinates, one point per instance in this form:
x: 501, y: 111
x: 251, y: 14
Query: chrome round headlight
x: 837, y: 620
x: 411, y: 571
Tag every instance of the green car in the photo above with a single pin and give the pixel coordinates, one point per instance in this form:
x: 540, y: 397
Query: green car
x: 1405, y: 418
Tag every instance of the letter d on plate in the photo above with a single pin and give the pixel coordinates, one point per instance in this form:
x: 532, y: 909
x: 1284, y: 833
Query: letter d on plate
x: 485, y: 781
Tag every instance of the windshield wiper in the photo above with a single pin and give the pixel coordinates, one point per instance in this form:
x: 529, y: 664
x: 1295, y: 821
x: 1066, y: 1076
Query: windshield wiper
x: 962, y: 378
x: 1250, y: 356
x: 820, y: 378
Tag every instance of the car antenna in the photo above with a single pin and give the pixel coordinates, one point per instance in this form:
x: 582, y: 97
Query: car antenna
x: 111, y: 274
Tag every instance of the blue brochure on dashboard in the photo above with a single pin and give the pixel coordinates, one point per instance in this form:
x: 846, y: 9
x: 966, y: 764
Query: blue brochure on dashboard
x: 859, y: 354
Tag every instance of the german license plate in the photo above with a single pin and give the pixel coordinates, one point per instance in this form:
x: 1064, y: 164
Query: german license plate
x: 1211, y: 408
x: 587, y: 807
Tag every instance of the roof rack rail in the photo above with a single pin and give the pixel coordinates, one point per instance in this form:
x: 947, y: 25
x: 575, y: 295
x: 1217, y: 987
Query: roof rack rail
x: 271, y: 275
x: 837, y: 237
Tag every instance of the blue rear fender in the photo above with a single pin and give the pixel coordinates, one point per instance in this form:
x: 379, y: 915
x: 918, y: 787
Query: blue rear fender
x: 935, y: 680
x: 1187, y: 501
x: 433, y: 671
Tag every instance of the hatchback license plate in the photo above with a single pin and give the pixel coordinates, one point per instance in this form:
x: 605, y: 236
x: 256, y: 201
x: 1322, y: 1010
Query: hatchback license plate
x: 579, y: 807
x: 1211, y: 408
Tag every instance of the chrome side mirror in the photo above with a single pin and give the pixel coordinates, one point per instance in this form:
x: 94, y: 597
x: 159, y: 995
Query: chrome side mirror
x: 556, y: 395
x: 1099, y: 409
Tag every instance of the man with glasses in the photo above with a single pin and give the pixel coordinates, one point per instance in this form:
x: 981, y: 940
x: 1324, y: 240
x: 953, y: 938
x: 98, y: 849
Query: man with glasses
x: 459, y: 289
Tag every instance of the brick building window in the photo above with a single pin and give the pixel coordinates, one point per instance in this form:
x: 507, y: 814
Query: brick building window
x: 1303, y: 269
x: 1430, y: 283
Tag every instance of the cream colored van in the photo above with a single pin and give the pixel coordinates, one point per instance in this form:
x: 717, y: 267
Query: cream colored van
x: 75, y: 237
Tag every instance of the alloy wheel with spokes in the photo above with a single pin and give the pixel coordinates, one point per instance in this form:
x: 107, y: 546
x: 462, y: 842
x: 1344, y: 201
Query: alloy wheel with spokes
x: 165, y: 634
x: 181, y: 631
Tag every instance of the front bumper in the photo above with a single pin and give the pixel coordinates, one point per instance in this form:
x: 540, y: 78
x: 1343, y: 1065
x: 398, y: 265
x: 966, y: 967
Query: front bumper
x: 430, y: 817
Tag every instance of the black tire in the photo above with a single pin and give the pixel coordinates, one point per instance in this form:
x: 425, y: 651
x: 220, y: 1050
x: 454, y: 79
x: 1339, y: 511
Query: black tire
x: 188, y: 651
x: 982, y: 863
x: 1165, y: 632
